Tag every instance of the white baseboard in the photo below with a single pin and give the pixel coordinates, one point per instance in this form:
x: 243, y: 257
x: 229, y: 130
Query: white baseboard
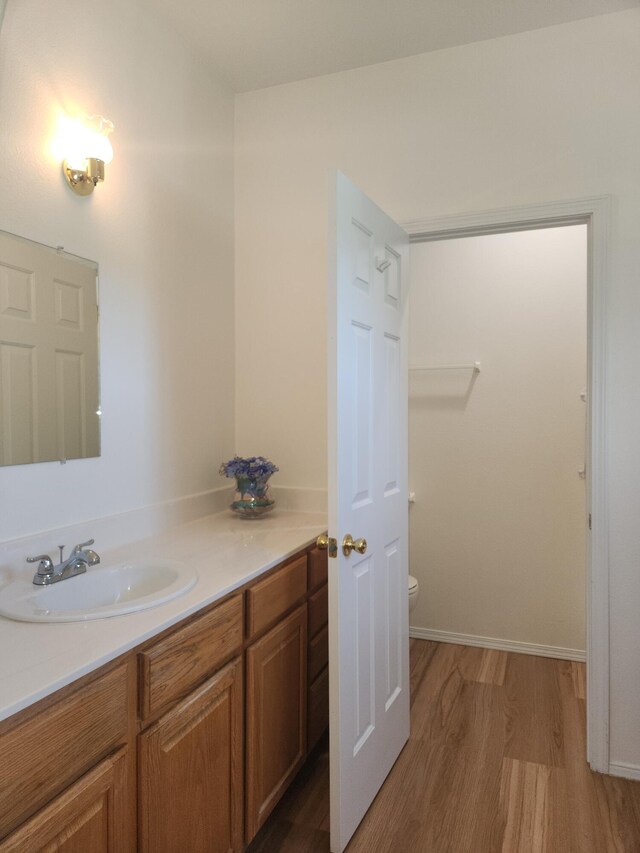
x: 626, y: 771
x: 501, y: 645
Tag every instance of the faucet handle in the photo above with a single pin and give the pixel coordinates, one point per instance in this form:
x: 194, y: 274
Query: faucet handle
x: 82, y: 546
x: 41, y: 558
x: 45, y: 561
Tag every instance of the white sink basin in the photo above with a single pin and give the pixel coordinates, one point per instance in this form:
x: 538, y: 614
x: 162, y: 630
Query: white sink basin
x: 101, y: 592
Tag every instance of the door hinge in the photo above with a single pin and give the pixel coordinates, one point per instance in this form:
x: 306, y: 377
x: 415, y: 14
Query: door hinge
x: 589, y: 521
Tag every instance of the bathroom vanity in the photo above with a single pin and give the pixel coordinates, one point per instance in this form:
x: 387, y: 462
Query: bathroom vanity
x: 185, y: 741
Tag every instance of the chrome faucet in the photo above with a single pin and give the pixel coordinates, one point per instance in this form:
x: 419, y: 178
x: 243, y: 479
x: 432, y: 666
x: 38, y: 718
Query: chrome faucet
x: 76, y: 564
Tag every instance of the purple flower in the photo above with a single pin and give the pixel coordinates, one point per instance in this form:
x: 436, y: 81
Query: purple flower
x: 252, y: 468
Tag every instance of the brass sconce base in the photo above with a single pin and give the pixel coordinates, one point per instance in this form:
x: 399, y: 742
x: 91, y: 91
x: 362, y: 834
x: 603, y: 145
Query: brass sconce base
x: 84, y: 182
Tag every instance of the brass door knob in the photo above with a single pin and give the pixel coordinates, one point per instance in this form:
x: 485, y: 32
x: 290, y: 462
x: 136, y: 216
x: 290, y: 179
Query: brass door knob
x: 349, y: 544
x: 327, y: 543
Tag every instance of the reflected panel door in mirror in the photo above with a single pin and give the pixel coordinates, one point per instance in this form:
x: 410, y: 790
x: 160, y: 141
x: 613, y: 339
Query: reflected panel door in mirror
x: 49, y: 384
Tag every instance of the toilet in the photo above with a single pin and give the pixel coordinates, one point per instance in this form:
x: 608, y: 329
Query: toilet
x: 413, y: 592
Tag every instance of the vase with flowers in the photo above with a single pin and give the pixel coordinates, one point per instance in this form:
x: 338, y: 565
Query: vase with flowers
x: 252, y: 475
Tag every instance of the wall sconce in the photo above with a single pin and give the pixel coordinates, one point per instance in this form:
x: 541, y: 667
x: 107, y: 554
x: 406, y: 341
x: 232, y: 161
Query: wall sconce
x: 85, y: 145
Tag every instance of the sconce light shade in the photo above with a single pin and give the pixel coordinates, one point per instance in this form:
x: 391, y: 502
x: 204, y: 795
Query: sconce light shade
x: 86, y: 149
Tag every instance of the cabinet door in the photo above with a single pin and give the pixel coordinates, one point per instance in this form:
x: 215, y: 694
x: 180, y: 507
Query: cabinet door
x: 92, y: 815
x: 276, y: 715
x: 190, y: 772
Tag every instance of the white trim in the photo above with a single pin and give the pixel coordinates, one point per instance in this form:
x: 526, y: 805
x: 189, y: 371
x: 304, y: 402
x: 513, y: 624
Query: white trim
x: 595, y: 213
x: 626, y: 771
x: 501, y: 645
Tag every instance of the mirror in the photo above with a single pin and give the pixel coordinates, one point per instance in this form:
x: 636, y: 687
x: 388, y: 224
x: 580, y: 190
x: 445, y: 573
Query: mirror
x: 49, y: 381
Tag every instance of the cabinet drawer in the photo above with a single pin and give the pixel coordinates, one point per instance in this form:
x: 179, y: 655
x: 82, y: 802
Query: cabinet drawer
x: 178, y: 663
x: 318, y: 610
x: 272, y: 597
x: 52, y: 748
x: 318, y: 568
x: 318, y: 653
x: 318, y: 705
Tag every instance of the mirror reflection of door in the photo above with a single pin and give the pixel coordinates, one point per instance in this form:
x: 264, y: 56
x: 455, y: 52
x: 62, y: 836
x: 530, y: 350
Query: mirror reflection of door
x: 49, y: 389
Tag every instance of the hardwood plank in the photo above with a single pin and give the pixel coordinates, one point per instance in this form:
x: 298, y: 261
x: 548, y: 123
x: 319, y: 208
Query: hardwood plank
x: 300, y: 822
x: 579, y: 677
x: 486, y: 666
x: 533, y: 802
x: 533, y: 710
x: 312, y: 810
x: 421, y: 652
x: 465, y: 715
x: 605, y: 811
x: 493, y: 667
x: 286, y: 837
x: 619, y: 804
x: 439, y: 668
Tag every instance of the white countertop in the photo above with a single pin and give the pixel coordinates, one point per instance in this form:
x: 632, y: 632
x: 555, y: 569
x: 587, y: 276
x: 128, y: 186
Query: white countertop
x: 37, y: 659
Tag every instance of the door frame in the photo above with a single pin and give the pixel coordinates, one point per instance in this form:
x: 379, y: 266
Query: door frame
x: 595, y: 212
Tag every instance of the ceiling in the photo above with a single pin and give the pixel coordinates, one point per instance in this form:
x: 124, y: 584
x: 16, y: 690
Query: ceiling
x: 257, y: 43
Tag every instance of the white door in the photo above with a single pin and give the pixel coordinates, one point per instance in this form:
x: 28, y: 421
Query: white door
x: 368, y: 492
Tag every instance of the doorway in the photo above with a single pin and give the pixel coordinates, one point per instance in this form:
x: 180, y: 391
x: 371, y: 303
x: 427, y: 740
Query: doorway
x: 594, y: 213
x: 497, y: 405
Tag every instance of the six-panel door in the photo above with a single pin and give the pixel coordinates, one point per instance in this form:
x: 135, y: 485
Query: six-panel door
x: 367, y: 498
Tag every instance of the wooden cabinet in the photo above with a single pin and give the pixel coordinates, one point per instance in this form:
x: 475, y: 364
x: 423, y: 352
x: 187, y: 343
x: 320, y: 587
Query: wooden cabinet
x: 162, y: 751
x: 276, y: 715
x: 190, y: 772
x: 318, y: 670
x: 318, y: 568
x: 92, y: 816
x: 318, y: 708
x: 318, y: 610
x: 44, y: 752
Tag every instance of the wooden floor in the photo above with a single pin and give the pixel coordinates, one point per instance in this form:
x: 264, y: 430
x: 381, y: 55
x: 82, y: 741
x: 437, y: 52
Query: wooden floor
x: 495, y: 764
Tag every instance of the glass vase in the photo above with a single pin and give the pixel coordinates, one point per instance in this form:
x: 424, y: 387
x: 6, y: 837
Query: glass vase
x: 251, y: 498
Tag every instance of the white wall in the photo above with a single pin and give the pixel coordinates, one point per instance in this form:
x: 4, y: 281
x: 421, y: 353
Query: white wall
x: 161, y: 229
x: 497, y: 533
x: 546, y: 115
